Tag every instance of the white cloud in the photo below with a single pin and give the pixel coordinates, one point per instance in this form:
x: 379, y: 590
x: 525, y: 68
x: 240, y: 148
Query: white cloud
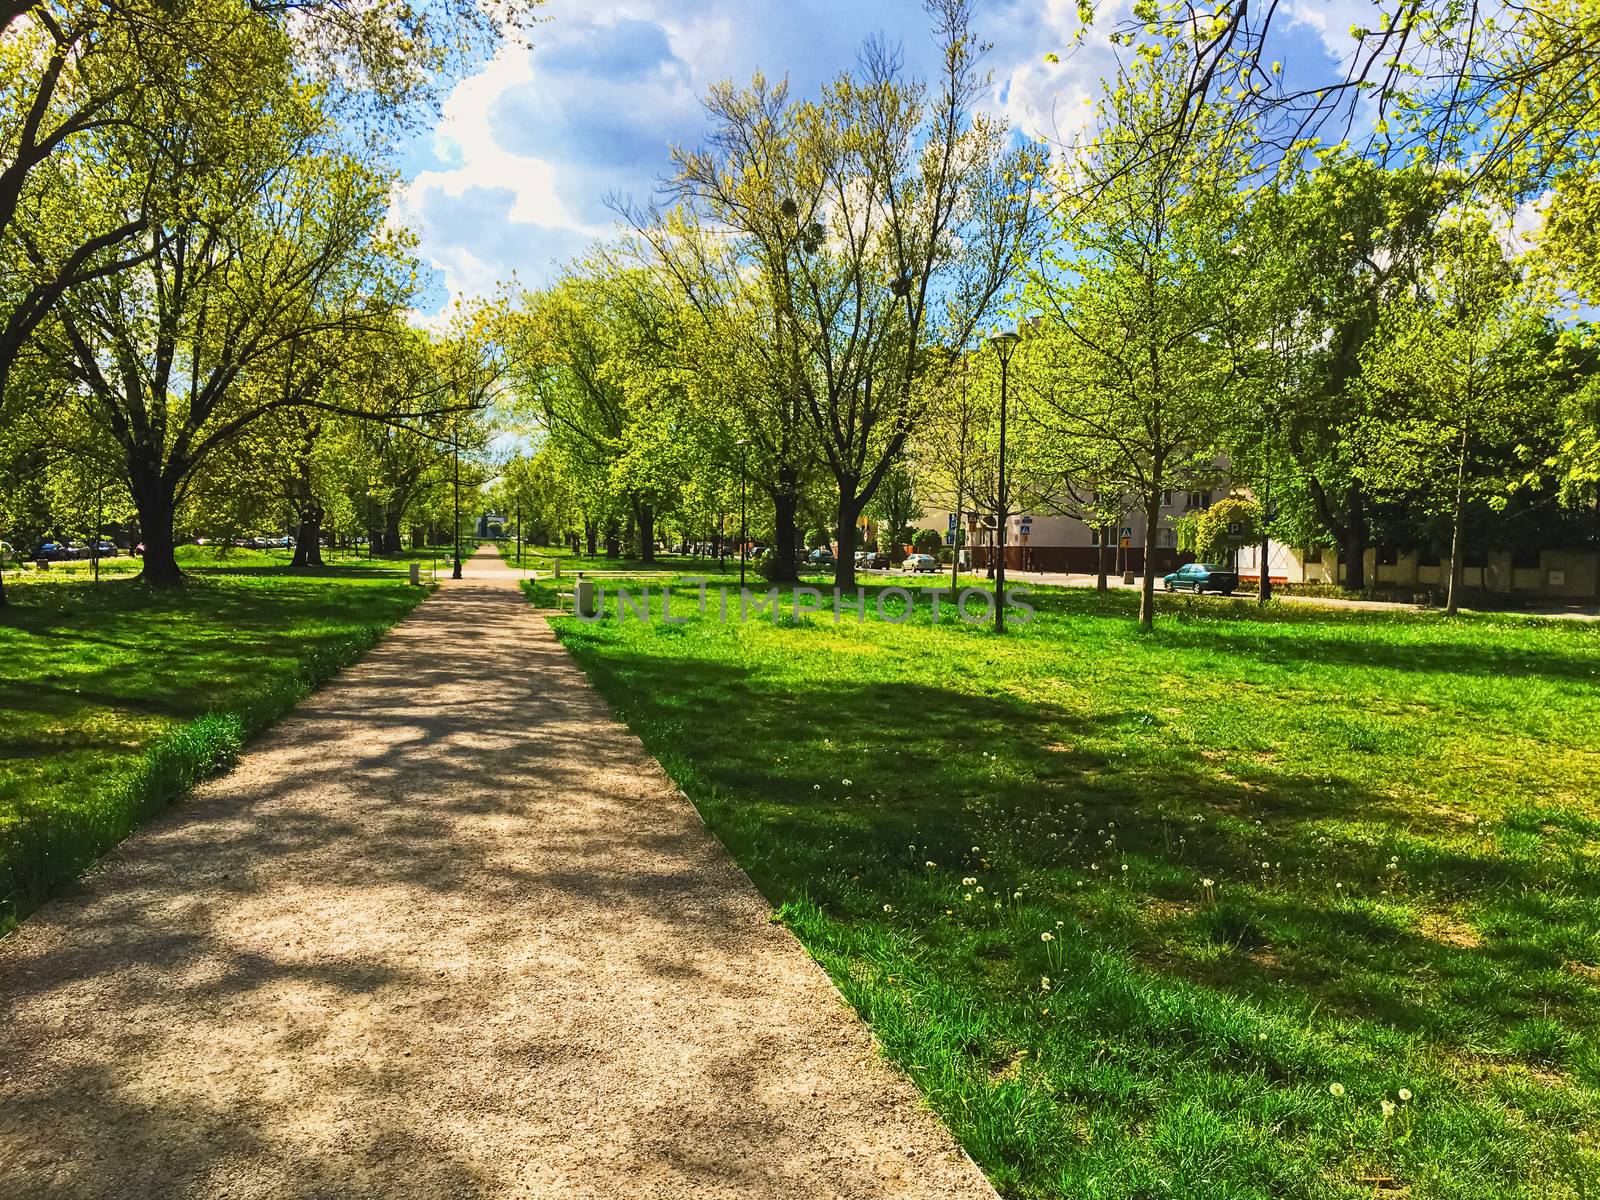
x: 527, y: 149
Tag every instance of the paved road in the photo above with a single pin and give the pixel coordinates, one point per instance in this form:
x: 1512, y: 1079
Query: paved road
x: 446, y: 931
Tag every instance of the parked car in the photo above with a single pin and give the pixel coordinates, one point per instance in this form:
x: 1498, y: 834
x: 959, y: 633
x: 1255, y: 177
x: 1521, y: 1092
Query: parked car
x: 879, y: 560
x: 820, y: 557
x: 50, y: 552
x: 7, y: 554
x: 1202, y: 577
x: 104, y: 549
x: 920, y: 562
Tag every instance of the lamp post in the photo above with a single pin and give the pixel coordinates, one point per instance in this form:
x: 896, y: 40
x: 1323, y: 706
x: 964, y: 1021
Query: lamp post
x: 455, y: 447
x: 1004, y: 345
x: 744, y: 450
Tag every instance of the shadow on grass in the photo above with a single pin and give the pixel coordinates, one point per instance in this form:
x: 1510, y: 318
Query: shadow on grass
x: 831, y: 791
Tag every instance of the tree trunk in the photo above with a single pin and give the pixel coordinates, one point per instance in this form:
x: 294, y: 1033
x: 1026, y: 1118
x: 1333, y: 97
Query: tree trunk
x: 591, y: 537
x: 644, y: 516
x: 613, y: 539
x: 785, y: 510
x: 1452, y: 596
x: 1354, y: 546
x: 1100, y: 580
x: 1147, y: 588
x: 844, y: 566
x: 308, y: 538
x: 153, y: 498
x: 391, y: 534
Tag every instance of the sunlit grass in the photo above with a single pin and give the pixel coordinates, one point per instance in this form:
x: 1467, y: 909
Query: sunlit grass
x: 1277, y: 857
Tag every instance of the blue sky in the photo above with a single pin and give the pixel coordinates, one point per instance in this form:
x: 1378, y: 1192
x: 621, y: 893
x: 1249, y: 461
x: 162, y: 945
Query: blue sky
x: 513, y: 177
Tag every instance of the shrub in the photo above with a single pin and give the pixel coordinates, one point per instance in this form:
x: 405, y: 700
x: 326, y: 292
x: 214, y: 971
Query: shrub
x: 927, y: 541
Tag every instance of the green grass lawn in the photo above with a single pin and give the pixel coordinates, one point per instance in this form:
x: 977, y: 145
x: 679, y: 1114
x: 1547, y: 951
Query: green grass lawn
x: 118, y: 698
x: 1304, y: 904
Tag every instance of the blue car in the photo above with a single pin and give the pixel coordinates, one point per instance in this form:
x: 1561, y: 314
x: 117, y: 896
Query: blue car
x: 1202, y: 577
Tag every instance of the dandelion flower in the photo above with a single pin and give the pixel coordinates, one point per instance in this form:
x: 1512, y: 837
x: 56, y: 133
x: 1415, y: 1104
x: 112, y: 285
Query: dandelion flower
x: 974, y: 849
x: 930, y: 864
x: 1208, y: 883
x: 1047, y: 936
x: 968, y: 896
x: 979, y: 889
x: 1044, y: 983
x: 888, y: 908
x: 1388, y: 1109
x: 1062, y: 924
x: 1405, y: 1094
x: 1336, y: 1089
x: 846, y: 783
x: 968, y: 881
x: 1124, y: 866
x: 1016, y: 895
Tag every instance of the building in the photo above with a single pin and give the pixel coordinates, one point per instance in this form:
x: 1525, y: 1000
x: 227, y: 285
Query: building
x: 1053, y: 543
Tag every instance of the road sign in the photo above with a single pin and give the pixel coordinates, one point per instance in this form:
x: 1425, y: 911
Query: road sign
x: 1127, y: 534
x: 1025, y: 528
x: 1235, y: 528
x: 950, y: 538
x: 952, y: 522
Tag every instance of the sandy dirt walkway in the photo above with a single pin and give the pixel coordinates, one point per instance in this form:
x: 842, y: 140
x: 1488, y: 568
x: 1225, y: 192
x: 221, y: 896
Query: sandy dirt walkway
x: 446, y: 931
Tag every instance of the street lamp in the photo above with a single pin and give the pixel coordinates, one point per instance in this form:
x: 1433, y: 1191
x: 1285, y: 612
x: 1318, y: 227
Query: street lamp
x: 455, y: 447
x: 1005, y: 345
x: 744, y: 449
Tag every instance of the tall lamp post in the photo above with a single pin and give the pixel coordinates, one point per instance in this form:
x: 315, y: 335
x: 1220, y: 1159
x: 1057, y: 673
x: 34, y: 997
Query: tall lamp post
x: 744, y: 450
x: 455, y: 447
x: 1004, y: 345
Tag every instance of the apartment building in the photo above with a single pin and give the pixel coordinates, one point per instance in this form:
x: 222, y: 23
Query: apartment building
x: 1047, y: 541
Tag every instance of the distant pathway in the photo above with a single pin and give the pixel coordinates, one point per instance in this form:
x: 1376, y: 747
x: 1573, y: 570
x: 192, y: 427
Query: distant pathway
x: 446, y: 931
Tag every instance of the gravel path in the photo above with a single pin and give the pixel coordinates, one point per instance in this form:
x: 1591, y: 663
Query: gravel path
x: 446, y: 931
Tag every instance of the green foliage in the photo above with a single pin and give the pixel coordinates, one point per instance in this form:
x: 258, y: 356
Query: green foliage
x: 1231, y: 522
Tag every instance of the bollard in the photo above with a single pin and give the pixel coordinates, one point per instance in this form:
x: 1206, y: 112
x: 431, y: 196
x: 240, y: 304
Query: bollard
x: 1127, y: 577
x: 555, y: 568
x: 583, y: 597
x: 416, y: 574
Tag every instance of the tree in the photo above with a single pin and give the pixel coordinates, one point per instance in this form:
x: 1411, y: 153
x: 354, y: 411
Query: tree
x: 271, y: 249
x: 1447, y: 356
x: 743, y: 363
x: 1136, y: 290
x: 1326, y: 250
x: 594, y: 359
x: 883, y: 219
x: 896, y: 506
x: 76, y: 75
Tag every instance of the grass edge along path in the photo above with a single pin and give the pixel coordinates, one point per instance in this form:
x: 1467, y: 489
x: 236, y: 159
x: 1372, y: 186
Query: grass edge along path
x: 1253, y: 1083
x: 45, y: 850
